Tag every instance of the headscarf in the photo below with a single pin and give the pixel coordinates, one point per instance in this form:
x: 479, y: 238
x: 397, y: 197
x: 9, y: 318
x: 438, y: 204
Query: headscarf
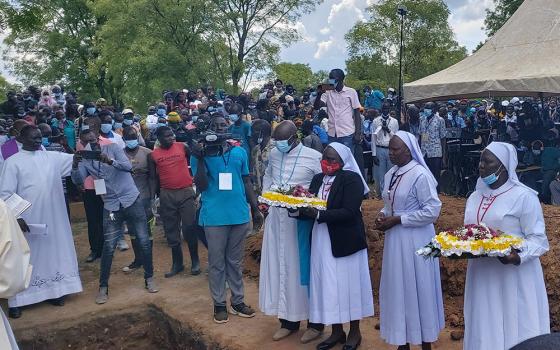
x: 349, y: 162
x: 412, y: 144
x: 507, y: 154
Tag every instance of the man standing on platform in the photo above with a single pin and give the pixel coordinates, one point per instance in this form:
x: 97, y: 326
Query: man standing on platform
x: 284, y: 282
x: 383, y: 128
x: 169, y: 172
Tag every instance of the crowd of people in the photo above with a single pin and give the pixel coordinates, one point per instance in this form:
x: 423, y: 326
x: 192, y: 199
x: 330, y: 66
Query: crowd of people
x: 199, y: 159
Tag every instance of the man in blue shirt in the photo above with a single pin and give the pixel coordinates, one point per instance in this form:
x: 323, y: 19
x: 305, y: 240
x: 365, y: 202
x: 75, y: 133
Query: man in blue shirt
x: 221, y: 174
x: 113, y: 180
x: 240, y: 128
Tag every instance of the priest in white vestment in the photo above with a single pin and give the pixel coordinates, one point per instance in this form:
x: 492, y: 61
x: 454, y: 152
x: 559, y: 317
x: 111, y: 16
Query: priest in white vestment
x: 505, y: 298
x: 35, y: 176
x: 281, y: 292
x: 410, y: 297
x: 15, y: 269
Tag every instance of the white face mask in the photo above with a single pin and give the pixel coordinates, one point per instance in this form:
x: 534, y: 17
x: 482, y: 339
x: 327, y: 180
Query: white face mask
x: 3, y: 139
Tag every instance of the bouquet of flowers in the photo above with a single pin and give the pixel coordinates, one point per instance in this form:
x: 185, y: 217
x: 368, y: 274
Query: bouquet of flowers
x: 292, y: 198
x: 471, y: 241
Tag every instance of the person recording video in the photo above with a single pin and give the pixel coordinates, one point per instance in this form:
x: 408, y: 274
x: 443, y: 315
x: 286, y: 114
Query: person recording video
x: 221, y: 174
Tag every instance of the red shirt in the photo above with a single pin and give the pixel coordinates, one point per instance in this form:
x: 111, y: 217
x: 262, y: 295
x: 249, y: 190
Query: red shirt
x: 172, y: 167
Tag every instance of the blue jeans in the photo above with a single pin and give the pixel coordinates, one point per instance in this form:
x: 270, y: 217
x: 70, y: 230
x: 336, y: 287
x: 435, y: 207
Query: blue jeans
x: 135, y: 217
x: 380, y: 170
x: 347, y: 141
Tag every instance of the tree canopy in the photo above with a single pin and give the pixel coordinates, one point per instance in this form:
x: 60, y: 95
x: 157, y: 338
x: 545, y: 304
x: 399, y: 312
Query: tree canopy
x: 497, y: 17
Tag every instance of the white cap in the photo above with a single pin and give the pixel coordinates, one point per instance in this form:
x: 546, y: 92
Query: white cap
x: 505, y: 103
x: 127, y: 111
x: 514, y: 100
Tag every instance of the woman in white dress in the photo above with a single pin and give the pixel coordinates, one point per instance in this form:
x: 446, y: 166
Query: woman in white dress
x: 340, y: 284
x: 505, y: 298
x: 410, y: 298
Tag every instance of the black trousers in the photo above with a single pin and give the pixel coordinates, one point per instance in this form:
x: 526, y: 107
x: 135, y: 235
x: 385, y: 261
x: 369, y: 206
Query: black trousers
x: 435, y: 167
x: 294, y: 326
x: 93, y: 205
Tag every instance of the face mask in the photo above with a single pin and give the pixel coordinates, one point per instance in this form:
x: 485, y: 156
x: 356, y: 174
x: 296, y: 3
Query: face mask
x: 128, y: 122
x: 332, y: 82
x: 537, y: 152
x: 90, y: 110
x: 57, y: 94
x: 283, y: 145
x: 45, y: 141
x: 427, y: 112
x: 161, y: 124
x: 106, y: 128
x: 329, y: 168
x: 233, y: 117
x: 194, y: 118
x: 85, y: 127
x: 4, y: 139
x: 131, y: 144
x: 252, y: 106
x: 161, y: 112
x: 492, y: 178
x: 118, y: 126
x: 314, y: 94
x: 211, y: 109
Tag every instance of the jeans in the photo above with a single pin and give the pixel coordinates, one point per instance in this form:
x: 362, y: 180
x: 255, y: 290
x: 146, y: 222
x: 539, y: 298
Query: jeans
x: 225, y: 254
x: 380, y: 170
x: 347, y: 141
x: 135, y: 217
x: 93, y: 205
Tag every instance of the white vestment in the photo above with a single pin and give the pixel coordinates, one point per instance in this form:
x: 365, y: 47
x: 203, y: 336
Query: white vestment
x: 340, y: 288
x: 410, y: 297
x: 506, y: 304
x: 15, y: 270
x: 35, y: 176
x: 280, y: 291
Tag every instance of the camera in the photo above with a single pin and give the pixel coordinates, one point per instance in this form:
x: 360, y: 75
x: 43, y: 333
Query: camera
x: 210, y: 138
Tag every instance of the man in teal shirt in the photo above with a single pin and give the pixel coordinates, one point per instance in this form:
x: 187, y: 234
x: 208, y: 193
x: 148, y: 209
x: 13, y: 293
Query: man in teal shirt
x: 240, y: 129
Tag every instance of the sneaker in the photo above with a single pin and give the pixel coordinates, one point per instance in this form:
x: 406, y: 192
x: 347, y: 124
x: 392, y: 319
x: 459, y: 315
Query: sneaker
x: 220, y: 314
x: 91, y: 257
x: 102, y: 295
x: 133, y: 266
x: 242, y: 310
x: 122, y: 245
x: 151, y: 285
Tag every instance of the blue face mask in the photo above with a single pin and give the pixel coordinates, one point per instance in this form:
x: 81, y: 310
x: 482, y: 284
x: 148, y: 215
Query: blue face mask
x: 233, y: 117
x: 106, y: 128
x: 161, y: 112
x: 90, y: 110
x: 492, y: 178
x: 194, y: 118
x: 283, y: 145
x: 332, y: 82
x: 128, y: 122
x: 45, y: 141
x: 131, y: 144
x: 211, y: 109
x: 427, y: 112
x: 161, y: 124
x: 314, y: 94
x: 118, y: 126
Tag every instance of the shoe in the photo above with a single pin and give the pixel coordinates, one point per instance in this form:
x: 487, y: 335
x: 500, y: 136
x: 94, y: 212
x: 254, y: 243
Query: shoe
x: 220, y: 314
x: 133, y: 266
x: 91, y: 257
x: 310, y: 335
x: 102, y: 295
x: 57, y: 301
x: 14, y: 312
x: 352, y: 347
x: 122, y: 245
x: 151, y: 285
x: 195, y: 269
x: 281, y: 334
x: 177, y: 266
x: 329, y: 345
x: 242, y: 310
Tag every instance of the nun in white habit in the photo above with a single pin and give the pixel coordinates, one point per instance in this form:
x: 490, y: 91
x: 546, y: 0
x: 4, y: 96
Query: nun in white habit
x: 340, y: 284
x: 410, y: 298
x: 505, y: 298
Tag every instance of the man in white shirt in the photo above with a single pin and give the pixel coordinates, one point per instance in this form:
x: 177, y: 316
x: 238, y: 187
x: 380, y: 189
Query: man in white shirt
x: 382, y: 130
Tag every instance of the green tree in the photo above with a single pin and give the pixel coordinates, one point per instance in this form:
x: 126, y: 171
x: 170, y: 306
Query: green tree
x: 497, y: 17
x: 428, y: 40
x: 298, y: 74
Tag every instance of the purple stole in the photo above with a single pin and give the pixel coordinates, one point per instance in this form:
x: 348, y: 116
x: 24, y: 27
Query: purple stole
x: 9, y: 148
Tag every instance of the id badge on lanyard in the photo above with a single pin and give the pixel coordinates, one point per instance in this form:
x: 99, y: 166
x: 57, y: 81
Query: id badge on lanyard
x: 225, y: 181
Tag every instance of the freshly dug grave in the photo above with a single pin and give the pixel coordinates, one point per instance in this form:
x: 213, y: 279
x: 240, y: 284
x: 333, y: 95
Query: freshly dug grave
x: 452, y: 271
x: 145, y: 328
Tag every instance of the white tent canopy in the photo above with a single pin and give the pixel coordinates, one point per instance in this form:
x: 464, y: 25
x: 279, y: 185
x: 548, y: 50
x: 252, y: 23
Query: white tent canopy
x: 522, y: 58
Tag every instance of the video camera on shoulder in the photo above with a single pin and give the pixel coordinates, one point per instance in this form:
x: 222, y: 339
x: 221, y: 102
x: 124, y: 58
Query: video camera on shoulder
x: 210, y: 138
x: 93, y: 155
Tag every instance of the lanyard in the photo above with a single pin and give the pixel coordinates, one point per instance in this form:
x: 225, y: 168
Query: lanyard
x: 395, y: 182
x: 326, y: 188
x: 487, y: 206
x: 293, y: 169
x: 228, y: 158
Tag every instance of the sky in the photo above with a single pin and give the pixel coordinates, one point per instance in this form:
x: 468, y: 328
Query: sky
x: 322, y: 32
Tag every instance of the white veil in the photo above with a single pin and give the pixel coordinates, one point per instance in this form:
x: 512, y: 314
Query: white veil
x: 412, y: 144
x: 349, y: 162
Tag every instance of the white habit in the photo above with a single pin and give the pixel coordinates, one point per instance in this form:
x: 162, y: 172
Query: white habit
x: 280, y: 291
x: 35, y: 176
x: 506, y: 304
x: 410, y: 297
x: 15, y: 270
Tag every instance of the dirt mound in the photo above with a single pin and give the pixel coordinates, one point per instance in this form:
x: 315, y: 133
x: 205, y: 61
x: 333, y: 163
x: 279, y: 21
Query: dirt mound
x: 452, y: 271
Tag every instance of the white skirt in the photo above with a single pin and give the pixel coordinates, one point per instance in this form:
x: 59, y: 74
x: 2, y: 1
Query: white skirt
x: 410, y: 299
x: 340, y: 288
x: 504, y: 304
